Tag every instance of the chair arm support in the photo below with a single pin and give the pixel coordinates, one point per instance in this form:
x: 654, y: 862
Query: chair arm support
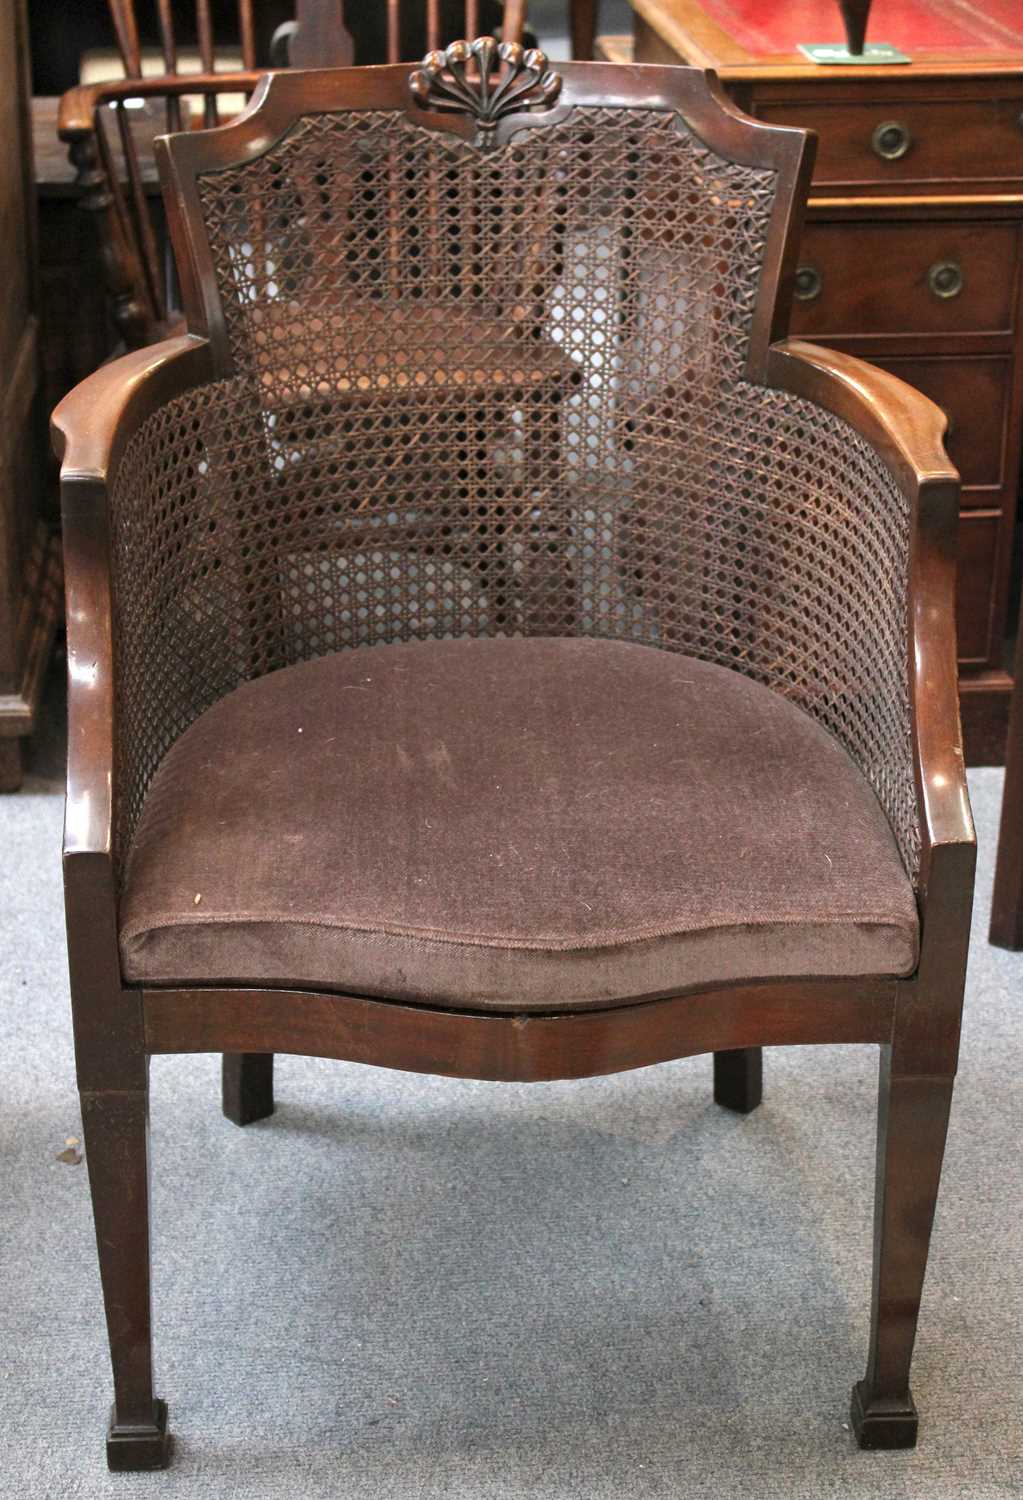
x: 76, y: 114
x: 907, y: 429
x: 903, y: 424
x: 91, y: 427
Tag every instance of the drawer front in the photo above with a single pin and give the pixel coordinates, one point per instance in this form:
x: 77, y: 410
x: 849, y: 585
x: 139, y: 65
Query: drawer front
x: 974, y: 395
x: 905, y: 140
x: 976, y: 582
x: 859, y: 277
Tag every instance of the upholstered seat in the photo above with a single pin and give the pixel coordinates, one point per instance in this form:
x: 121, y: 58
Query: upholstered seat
x: 527, y: 823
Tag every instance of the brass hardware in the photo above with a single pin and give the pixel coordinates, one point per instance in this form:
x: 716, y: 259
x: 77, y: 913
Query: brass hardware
x: 808, y: 284
x: 945, y: 278
x: 891, y: 140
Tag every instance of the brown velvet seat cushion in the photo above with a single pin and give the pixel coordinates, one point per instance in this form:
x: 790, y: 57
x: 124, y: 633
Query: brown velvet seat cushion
x: 516, y: 823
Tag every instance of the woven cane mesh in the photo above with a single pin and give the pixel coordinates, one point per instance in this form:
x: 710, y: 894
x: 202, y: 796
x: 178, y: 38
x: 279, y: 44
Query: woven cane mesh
x: 501, y: 392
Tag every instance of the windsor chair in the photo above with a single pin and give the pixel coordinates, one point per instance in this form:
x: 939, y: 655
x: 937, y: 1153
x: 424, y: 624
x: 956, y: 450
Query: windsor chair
x: 395, y: 31
x: 99, y: 120
x: 718, y: 804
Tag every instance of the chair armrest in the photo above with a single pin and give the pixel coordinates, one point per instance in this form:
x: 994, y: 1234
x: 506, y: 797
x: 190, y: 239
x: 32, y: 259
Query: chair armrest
x: 907, y: 429
x: 76, y: 114
x: 91, y: 427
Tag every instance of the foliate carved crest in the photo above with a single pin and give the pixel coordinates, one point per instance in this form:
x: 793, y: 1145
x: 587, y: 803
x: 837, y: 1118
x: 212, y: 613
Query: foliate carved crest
x: 485, y: 79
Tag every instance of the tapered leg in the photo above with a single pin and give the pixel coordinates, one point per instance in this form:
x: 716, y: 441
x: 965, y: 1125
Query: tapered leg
x: 247, y: 1084
x: 1007, y: 898
x: 911, y: 1126
x: 117, y: 1149
x: 10, y: 765
x: 739, y: 1079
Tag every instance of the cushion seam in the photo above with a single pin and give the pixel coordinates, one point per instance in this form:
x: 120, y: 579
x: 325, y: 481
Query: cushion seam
x: 616, y: 939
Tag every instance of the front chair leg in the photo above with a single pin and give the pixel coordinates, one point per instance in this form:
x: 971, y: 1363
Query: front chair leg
x: 247, y: 1086
x: 739, y: 1079
x: 911, y: 1125
x: 116, y: 1128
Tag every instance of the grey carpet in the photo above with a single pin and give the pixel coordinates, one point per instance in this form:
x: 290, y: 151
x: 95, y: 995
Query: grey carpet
x: 404, y: 1286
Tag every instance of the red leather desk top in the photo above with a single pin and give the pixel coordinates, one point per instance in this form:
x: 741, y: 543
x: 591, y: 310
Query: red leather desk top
x: 777, y: 26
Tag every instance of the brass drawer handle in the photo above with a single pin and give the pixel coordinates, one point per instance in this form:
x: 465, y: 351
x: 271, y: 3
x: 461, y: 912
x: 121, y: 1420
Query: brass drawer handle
x: 808, y: 283
x: 891, y: 140
x: 945, y: 279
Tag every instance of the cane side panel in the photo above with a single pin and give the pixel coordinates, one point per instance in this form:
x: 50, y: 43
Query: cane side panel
x: 501, y: 392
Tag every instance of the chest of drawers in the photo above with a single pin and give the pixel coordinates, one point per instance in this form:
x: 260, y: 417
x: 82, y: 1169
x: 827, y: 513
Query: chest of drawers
x: 912, y: 251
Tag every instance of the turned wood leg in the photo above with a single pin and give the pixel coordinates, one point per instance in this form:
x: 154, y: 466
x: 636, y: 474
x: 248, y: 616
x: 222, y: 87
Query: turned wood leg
x: 10, y: 765
x: 911, y: 1124
x: 739, y: 1078
x: 247, y: 1084
x: 117, y: 1147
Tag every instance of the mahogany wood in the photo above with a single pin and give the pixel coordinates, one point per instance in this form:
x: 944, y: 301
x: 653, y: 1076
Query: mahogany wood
x: 914, y: 1020
x: 516, y: 1049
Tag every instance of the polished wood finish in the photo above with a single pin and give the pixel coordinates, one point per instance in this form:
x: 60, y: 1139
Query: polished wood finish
x: 914, y: 1020
x: 29, y: 554
x: 941, y: 195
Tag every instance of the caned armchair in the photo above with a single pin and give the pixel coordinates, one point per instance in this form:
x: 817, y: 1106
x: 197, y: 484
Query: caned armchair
x: 436, y: 707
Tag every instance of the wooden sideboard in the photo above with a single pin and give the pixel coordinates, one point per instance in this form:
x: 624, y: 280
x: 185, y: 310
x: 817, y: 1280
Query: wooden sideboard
x: 29, y: 552
x: 913, y: 249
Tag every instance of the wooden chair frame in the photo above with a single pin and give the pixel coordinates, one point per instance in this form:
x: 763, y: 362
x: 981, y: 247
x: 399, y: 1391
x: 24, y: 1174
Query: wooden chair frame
x: 913, y: 1021
x: 129, y: 253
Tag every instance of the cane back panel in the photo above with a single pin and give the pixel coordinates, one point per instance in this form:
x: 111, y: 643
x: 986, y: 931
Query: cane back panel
x: 484, y: 392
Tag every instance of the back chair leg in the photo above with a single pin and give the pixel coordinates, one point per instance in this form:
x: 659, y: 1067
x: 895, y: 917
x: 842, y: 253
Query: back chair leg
x: 911, y: 1125
x: 117, y: 1149
x: 739, y: 1079
x: 247, y: 1086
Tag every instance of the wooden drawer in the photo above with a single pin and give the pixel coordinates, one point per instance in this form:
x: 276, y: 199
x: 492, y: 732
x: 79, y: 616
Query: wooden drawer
x: 974, y: 395
x: 907, y: 140
x: 870, y: 277
x: 976, y: 585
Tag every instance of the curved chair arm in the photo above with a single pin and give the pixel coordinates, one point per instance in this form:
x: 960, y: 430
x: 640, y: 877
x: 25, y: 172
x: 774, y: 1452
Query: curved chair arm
x: 77, y: 112
x: 91, y: 427
x: 907, y: 429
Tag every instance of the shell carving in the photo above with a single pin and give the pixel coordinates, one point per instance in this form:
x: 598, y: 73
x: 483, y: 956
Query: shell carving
x: 504, y: 80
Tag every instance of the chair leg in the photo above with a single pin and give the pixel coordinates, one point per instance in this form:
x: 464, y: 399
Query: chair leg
x: 247, y: 1086
x: 911, y: 1125
x: 739, y: 1079
x: 10, y: 765
x: 116, y: 1128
